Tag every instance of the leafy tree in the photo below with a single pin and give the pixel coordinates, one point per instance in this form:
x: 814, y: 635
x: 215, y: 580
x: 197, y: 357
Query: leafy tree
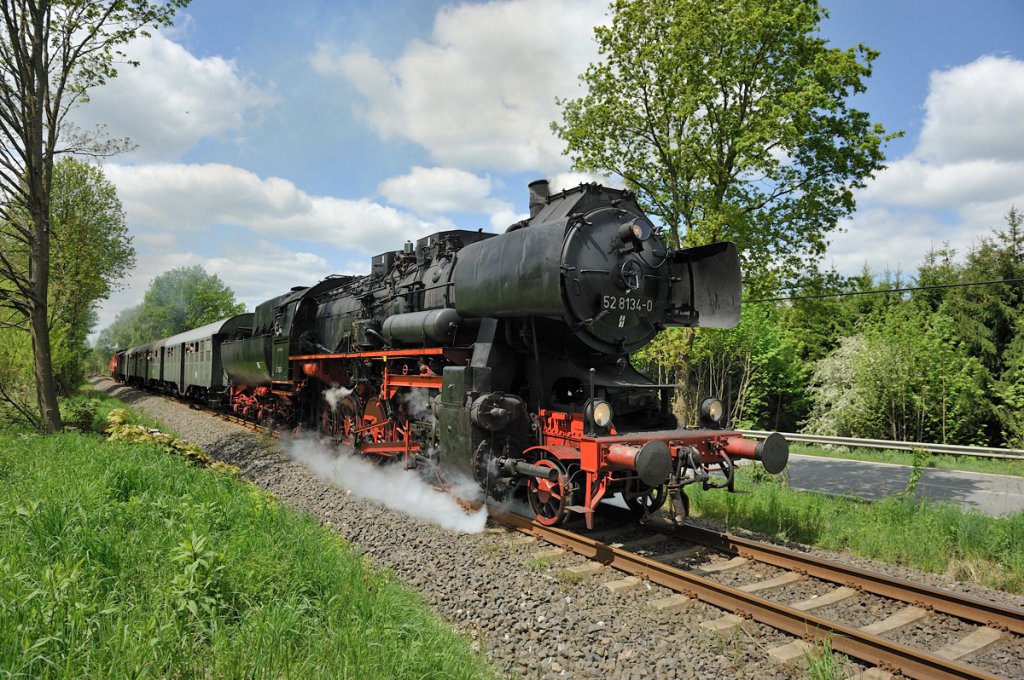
x: 177, y: 300
x: 51, y: 55
x: 184, y: 298
x: 1009, y: 391
x: 825, y: 308
x: 766, y: 385
x: 989, y: 319
x: 17, y: 391
x: 903, y: 376
x: 755, y: 369
x: 125, y: 331
x: 91, y: 252
x: 730, y: 119
x: 1010, y: 385
x: 92, y: 249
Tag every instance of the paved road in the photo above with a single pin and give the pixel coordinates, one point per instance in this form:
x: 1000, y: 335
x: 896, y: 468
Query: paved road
x: 990, y: 494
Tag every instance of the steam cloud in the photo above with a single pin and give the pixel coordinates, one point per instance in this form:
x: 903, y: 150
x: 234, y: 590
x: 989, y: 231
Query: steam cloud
x: 417, y: 401
x: 389, y: 485
x: 334, y: 395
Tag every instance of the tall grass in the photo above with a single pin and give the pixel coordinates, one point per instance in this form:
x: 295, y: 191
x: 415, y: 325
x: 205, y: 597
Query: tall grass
x: 935, y: 537
x: 119, y: 561
x: 88, y: 410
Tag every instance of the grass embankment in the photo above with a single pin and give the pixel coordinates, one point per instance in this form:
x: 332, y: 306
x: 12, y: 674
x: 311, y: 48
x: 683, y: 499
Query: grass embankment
x: 935, y: 537
x: 118, y: 560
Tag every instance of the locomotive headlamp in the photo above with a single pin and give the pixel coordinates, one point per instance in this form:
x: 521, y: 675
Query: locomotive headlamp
x: 711, y: 411
x: 641, y: 229
x: 599, y: 412
x: 638, y: 230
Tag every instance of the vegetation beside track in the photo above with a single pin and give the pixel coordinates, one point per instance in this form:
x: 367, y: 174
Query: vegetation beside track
x: 935, y: 537
x: 118, y: 560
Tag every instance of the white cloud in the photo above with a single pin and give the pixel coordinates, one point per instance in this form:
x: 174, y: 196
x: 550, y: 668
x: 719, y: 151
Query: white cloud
x: 956, y: 185
x: 192, y: 197
x: 433, y: 191
x: 256, y: 272
x: 172, y: 100
x: 913, y: 182
x: 155, y: 239
x: 975, y: 111
x: 481, y: 93
x: 896, y: 240
x: 261, y: 271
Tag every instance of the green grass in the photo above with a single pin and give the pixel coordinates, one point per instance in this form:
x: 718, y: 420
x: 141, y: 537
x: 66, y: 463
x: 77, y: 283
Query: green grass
x: 965, y: 463
x: 822, y: 664
x: 117, y: 560
x: 935, y: 537
x: 88, y: 411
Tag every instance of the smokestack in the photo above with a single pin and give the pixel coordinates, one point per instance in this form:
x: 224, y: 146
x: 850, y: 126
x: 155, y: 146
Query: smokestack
x: 539, y: 193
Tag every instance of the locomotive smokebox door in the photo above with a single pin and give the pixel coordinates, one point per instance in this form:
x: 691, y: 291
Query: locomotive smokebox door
x: 706, y: 286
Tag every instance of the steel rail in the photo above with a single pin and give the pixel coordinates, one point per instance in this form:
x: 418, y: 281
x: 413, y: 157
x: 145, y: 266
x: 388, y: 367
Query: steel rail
x: 966, y: 607
x: 232, y: 418
x: 885, y: 444
x: 869, y: 648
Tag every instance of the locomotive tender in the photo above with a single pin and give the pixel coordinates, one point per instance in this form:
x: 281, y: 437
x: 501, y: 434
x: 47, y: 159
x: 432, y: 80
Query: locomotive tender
x: 498, y: 357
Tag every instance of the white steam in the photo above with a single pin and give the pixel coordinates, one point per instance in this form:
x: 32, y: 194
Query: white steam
x: 417, y: 401
x: 334, y: 395
x: 388, y: 485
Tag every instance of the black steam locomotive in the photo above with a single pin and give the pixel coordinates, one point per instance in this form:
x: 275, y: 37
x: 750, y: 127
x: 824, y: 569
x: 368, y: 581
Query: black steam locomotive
x: 498, y: 357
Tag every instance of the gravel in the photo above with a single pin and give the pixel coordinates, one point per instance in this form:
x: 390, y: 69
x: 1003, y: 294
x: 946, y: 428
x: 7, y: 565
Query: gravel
x: 527, y: 614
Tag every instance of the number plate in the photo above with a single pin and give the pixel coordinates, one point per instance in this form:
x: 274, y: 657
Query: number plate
x: 624, y: 303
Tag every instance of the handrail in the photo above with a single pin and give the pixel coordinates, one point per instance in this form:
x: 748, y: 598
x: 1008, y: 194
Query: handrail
x: 947, y: 449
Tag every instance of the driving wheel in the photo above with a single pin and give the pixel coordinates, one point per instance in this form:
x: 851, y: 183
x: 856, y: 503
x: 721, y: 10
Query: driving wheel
x: 550, y: 501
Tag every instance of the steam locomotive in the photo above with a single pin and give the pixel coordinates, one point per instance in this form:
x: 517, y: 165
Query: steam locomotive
x: 503, y: 358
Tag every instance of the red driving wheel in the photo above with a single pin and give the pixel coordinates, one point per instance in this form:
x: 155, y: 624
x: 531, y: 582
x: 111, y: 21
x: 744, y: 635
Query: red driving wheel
x: 550, y: 501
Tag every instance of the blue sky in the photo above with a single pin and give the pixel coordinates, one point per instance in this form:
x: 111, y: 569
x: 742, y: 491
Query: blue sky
x: 279, y: 142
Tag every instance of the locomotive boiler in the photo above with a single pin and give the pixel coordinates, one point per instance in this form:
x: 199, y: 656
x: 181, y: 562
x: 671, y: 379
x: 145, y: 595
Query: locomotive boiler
x: 504, y: 358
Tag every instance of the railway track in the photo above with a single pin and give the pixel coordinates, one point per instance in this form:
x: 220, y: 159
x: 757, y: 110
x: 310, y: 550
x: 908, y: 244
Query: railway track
x: 256, y: 427
x: 676, y: 556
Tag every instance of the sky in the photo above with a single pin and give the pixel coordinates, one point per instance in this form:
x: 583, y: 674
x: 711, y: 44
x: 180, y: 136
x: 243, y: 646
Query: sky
x: 279, y: 142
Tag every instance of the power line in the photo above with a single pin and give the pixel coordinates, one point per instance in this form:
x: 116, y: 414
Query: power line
x: 889, y: 290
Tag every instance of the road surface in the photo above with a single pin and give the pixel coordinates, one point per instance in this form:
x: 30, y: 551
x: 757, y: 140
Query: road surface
x: 989, y: 494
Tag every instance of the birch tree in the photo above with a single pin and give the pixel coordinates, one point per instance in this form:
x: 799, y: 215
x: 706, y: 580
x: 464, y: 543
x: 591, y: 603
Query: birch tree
x: 51, y: 54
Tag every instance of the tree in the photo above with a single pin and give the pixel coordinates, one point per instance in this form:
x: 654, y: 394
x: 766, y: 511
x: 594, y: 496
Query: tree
x: 51, y: 55
x: 125, y: 331
x: 729, y: 118
x: 755, y: 369
x: 902, y: 376
x: 177, y: 300
x: 989, y: 320
x: 184, y: 298
x: 91, y: 251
